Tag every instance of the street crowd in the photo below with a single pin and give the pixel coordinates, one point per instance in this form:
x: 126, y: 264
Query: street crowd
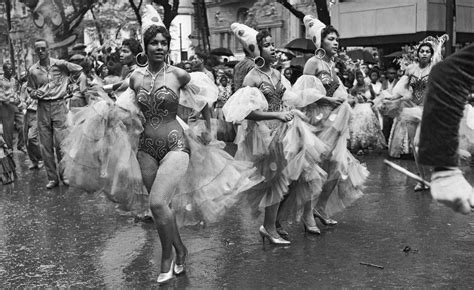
x: 296, y: 128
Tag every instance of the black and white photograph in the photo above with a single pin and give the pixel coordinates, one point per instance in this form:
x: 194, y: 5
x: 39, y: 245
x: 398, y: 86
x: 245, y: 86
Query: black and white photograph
x: 242, y: 144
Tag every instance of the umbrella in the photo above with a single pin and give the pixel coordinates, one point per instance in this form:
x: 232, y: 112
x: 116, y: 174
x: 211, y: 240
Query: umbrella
x: 361, y: 54
x: 222, y: 51
x: 299, y: 61
x: 287, y: 52
x: 301, y: 45
x: 394, y: 54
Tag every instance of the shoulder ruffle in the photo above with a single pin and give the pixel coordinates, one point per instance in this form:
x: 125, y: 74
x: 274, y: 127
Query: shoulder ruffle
x: 242, y: 103
x: 198, y: 92
x: 307, y: 90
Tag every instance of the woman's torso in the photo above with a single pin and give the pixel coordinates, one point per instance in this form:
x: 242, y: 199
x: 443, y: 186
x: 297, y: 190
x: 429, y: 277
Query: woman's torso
x: 162, y: 132
x: 419, y: 83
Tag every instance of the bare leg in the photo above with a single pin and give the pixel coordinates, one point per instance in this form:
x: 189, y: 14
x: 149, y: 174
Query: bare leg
x: 270, y: 219
x: 328, y: 188
x: 411, y: 131
x: 170, y: 171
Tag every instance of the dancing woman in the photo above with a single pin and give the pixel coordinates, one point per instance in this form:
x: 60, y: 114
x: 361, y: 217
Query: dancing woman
x: 199, y: 181
x: 408, y: 98
x: 327, y: 108
x: 283, y: 148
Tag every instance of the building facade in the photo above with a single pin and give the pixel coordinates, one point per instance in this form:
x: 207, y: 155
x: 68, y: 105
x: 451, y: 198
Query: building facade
x: 259, y: 14
x: 387, y: 23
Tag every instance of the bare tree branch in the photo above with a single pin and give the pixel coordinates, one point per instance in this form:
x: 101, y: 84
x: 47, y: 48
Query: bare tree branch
x: 300, y: 15
x: 136, y: 10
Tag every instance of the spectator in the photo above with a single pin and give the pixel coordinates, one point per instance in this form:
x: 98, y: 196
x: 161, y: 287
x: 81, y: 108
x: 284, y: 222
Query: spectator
x: 8, y: 103
x: 128, y: 54
x: 48, y: 82
x: 198, y: 61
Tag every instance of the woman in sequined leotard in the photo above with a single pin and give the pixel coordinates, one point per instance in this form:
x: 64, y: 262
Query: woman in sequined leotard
x: 402, y: 136
x: 268, y: 81
x: 163, y: 154
x: 280, y: 144
x: 330, y: 113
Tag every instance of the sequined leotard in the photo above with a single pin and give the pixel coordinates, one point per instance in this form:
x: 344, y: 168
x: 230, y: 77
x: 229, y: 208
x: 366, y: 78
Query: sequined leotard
x: 419, y: 86
x: 274, y: 96
x: 162, y: 132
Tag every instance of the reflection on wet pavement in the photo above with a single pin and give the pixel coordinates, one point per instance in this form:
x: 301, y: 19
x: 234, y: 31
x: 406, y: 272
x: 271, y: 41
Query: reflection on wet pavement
x: 65, y: 238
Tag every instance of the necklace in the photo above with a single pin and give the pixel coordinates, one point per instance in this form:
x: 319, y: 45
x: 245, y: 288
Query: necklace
x: 269, y: 76
x: 154, y: 76
x: 423, y: 70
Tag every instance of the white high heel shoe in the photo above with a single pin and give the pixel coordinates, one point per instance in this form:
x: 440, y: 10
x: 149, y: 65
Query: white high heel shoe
x: 166, y: 277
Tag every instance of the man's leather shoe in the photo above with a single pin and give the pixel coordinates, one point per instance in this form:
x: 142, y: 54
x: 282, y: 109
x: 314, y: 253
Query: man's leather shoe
x: 51, y: 184
x: 66, y: 182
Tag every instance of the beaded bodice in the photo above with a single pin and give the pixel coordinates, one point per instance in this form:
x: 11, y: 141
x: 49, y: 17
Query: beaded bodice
x: 274, y: 96
x: 330, y: 86
x: 419, y: 86
x: 159, y: 106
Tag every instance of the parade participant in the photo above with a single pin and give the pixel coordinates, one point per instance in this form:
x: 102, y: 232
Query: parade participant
x: 279, y: 143
x: 328, y: 110
x: 143, y: 143
x: 198, y: 61
x: 364, y: 126
x: 8, y: 103
x: 447, y: 92
x: 246, y: 37
x: 128, y: 53
x: 48, y: 81
x: 409, y: 95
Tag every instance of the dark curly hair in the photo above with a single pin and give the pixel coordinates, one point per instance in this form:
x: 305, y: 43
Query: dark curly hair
x: 133, y: 44
x: 151, y: 32
x: 328, y: 30
x: 262, y: 34
x: 374, y: 70
x: 425, y: 44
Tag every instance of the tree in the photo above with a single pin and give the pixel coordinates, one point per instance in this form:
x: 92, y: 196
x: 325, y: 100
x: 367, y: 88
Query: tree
x: 169, y: 12
x: 322, y: 9
x: 59, y: 19
x: 111, y: 15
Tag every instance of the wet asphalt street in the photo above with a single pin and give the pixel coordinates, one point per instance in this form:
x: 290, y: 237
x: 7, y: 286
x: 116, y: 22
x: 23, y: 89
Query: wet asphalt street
x: 65, y: 238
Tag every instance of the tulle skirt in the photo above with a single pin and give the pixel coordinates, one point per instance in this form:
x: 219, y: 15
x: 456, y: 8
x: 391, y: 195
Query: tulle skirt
x: 364, y: 128
x: 400, y: 141
x: 100, y: 156
x: 288, y: 156
x: 333, y: 127
x: 466, y: 133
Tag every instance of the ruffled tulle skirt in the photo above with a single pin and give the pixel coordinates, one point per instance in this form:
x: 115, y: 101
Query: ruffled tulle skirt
x: 288, y: 156
x: 400, y: 141
x: 332, y: 126
x: 364, y: 129
x: 466, y: 133
x: 100, y: 156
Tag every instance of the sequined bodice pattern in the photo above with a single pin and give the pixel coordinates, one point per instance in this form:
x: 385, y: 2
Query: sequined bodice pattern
x: 419, y: 86
x: 274, y: 96
x: 162, y: 132
x: 330, y: 87
x: 159, y: 106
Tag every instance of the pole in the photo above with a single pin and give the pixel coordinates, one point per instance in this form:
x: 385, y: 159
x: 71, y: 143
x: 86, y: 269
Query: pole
x: 180, y: 43
x: 8, y: 6
x: 450, y: 8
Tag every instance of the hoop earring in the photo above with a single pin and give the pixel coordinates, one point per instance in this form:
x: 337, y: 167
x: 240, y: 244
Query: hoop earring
x: 320, y: 53
x: 259, y: 61
x: 139, y: 59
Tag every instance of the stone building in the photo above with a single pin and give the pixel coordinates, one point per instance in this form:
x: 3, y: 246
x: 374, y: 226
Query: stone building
x: 259, y: 14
